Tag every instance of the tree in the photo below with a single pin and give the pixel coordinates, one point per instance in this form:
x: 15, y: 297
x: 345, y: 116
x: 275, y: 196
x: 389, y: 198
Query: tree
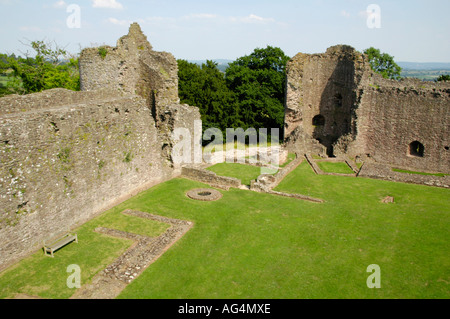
x: 259, y: 80
x: 6, y: 78
x: 50, y: 68
x: 250, y: 95
x: 383, y: 64
x: 205, y: 87
x: 443, y: 78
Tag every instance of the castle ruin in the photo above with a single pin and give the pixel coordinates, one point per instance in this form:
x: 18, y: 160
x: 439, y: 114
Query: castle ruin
x: 68, y: 156
x: 337, y: 106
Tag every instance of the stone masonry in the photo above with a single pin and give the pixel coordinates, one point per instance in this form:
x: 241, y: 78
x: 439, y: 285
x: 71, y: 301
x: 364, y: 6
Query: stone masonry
x: 337, y: 106
x: 68, y: 156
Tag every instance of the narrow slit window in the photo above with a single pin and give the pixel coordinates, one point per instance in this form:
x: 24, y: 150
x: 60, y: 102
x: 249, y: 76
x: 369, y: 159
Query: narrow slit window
x: 338, y: 100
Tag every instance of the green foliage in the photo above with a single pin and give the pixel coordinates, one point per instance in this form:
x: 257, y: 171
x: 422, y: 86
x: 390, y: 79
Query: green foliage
x: 443, y: 78
x: 103, y: 52
x: 383, y: 64
x: 249, y: 95
x: 205, y: 87
x: 128, y: 157
x: 50, y: 68
x: 64, y: 155
x: 259, y: 81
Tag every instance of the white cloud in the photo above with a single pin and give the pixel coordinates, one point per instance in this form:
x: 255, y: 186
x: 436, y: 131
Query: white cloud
x: 195, y: 17
x: 364, y: 14
x: 59, y: 4
x: 345, y: 14
x: 252, y: 19
x: 30, y: 29
x: 201, y: 16
x: 111, y: 4
x: 162, y: 21
x: 119, y: 22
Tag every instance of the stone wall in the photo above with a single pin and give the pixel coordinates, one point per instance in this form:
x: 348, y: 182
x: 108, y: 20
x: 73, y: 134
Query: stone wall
x: 68, y: 156
x: 394, y: 114
x: 267, y: 182
x: 208, y: 177
x: 132, y: 67
x: 337, y: 106
x: 60, y: 166
x: 383, y: 171
x: 321, y: 93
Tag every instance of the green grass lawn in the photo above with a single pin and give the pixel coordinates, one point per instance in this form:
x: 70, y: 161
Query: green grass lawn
x: 418, y: 173
x: 260, y: 246
x: 246, y: 173
x: 291, y: 157
x: 46, y: 277
x: 335, y: 167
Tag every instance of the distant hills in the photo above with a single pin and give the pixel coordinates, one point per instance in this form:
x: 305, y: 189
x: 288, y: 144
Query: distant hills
x: 222, y: 64
x: 424, y: 71
x: 429, y: 71
x: 424, y: 66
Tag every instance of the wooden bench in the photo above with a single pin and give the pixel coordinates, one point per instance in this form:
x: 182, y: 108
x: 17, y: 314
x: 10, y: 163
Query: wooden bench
x: 53, y: 246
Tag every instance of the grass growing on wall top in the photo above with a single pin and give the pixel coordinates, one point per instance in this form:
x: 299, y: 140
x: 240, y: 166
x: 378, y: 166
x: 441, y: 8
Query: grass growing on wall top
x: 418, y: 173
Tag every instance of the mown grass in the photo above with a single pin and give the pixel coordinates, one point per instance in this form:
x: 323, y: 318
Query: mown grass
x: 260, y: 246
x: 335, y: 167
x: 291, y: 157
x: 418, y: 173
x: 245, y: 173
x: 46, y: 277
x: 251, y: 245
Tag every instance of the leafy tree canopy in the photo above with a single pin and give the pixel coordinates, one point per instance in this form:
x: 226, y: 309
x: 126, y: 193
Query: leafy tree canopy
x: 443, y: 78
x: 205, y: 87
x: 249, y: 95
x: 383, y: 64
x: 259, y: 81
x: 49, y: 68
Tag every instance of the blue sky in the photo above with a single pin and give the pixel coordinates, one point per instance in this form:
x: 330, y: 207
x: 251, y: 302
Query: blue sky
x: 414, y: 30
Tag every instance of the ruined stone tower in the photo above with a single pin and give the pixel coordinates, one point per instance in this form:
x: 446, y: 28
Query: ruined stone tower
x: 336, y: 105
x: 133, y: 67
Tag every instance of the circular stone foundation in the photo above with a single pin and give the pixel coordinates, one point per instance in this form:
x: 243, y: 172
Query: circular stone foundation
x: 204, y: 194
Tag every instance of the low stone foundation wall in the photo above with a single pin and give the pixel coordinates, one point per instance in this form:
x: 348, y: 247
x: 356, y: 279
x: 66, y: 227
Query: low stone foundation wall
x: 210, y: 178
x: 297, y: 196
x: 385, y: 172
x: 319, y: 171
x: 268, y: 182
